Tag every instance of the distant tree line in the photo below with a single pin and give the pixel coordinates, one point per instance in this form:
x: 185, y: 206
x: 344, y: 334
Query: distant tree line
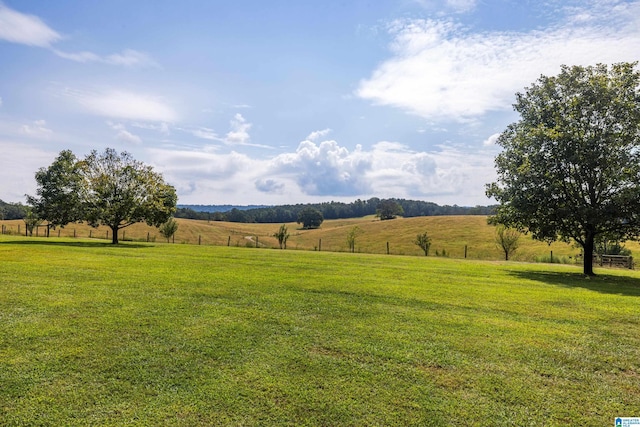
x: 12, y: 210
x: 331, y: 210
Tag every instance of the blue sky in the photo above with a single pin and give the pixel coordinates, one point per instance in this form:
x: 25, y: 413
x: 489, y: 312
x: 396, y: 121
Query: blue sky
x: 253, y: 102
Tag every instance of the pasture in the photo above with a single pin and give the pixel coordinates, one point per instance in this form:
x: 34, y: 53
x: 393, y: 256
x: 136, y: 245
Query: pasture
x: 156, y: 334
x: 449, y: 233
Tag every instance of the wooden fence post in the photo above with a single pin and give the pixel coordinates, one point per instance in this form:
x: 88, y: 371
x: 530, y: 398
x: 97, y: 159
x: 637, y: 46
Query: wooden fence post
x: 387, y: 248
x: 199, y: 239
x: 229, y: 241
x: 319, y: 245
x: 465, y: 251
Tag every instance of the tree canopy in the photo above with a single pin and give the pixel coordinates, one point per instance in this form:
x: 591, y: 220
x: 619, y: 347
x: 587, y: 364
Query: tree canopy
x: 389, y: 209
x: 103, y: 189
x: 310, y: 218
x: 570, y: 168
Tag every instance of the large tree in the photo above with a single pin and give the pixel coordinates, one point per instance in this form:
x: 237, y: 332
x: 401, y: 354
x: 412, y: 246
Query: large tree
x: 60, y: 191
x: 570, y: 168
x: 103, y: 189
x: 122, y: 191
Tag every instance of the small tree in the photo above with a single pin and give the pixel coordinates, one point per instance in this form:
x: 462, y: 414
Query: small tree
x: 388, y: 209
x: 424, y: 241
x: 351, y: 238
x: 168, y: 229
x: 31, y: 221
x: 310, y: 218
x: 507, y: 240
x: 282, y: 235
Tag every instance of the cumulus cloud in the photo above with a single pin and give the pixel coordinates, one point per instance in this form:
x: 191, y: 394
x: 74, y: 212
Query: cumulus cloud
x: 327, y: 168
x: 122, y: 104
x: 440, y: 69
x: 315, y: 135
x: 25, y: 29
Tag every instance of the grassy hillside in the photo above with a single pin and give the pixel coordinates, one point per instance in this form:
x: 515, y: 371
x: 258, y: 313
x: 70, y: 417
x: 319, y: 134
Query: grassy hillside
x: 449, y: 233
x: 139, y: 334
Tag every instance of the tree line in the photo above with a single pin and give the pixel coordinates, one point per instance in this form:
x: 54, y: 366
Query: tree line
x: 331, y: 210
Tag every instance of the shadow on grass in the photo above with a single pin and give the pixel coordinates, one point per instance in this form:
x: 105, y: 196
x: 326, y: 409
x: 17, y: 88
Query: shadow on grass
x: 79, y: 244
x: 603, y: 283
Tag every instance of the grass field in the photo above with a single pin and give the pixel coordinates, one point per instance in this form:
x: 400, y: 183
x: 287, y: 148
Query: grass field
x: 156, y: 334
x: 449, y: 233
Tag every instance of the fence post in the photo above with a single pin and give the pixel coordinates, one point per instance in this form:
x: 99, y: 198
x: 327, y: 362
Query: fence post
x: 199, y: 239
x: 147, y: 237
x: 319, y: 245
x: 387, y: 248
x: 74, y: 233
x: 58, y: 232
x: 107, y: 234
x: 551, y: 257
x: 229, y: 241
x: 465, y: 251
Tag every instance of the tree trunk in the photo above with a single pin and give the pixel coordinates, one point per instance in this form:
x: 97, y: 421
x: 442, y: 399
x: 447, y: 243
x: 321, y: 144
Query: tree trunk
x: 114, y: 235
x: 588, y: 254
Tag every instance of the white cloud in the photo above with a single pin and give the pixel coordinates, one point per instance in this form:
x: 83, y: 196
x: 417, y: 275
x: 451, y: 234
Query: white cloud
x: 315, y: 135
x: 30, y: 30
x: 239, y: 133
x: 25, y: 29
x: 326, y: 168
x: 441, y: 70
x: 38, y: 129
x: 121, y: 104
x: 491, y: 140
x: 123, y: 134
x: 127, y: 58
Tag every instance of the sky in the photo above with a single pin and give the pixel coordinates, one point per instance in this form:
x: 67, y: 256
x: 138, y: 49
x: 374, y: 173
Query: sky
x: 289, y: 101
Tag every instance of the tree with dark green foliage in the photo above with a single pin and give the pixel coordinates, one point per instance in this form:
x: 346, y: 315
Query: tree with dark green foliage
x: 282, y: 235
x: 60, y: 191
x: 310, y: 218
x: 103, y: 189
x: 424, y: 242
x: 570, y: 167
x: 168, y: 229
x: 389, y: 209
x: 122, y: 191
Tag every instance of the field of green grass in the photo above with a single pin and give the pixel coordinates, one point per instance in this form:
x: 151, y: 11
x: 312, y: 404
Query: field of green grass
x: 154, y: 334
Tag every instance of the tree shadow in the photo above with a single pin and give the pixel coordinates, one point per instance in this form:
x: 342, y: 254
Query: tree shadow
x: 603, y: 283
x: 79, y: 244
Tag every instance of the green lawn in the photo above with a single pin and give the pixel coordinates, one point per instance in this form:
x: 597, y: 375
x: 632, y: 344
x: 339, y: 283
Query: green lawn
x: 137, y: 334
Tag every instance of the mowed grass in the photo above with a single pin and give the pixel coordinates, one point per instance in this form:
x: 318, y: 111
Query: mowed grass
x: 138, y: 334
